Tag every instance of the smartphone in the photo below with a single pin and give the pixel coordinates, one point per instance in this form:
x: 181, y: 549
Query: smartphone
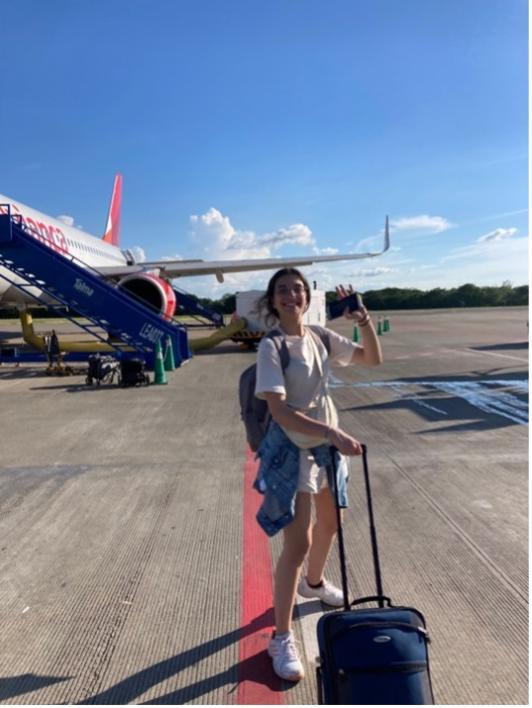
x: 337, y: 307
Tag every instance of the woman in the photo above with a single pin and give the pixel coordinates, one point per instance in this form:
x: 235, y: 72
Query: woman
x: 296, y: 447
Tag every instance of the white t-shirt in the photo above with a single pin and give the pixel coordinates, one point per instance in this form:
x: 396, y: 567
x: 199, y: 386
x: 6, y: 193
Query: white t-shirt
x: 300, y: 383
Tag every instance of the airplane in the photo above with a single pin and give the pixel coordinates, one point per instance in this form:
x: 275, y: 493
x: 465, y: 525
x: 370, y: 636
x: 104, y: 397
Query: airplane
x: 149, y: 281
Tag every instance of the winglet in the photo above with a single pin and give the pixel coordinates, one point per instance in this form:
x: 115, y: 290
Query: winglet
x: 386, y: 245
x: 386, y: 235
x: 112, y: 230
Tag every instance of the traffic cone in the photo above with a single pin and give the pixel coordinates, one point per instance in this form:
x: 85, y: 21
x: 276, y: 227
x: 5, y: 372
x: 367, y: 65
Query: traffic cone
x: 386, y: 326
x: 160, y: 373
x: 356, y: 336
x: 379, y: 327
x: 169, y: 362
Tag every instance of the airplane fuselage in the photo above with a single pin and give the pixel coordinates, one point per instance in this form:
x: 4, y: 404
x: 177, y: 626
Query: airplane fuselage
x: 60, y: 237
x: 150, y: 282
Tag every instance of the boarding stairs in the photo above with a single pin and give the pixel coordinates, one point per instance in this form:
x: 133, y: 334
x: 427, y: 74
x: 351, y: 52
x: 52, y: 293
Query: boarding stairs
x: 69, y: 281
x: 190, y: 304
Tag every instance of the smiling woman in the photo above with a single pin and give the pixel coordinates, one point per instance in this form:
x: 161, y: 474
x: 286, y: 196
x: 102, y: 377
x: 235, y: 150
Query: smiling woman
x: 295, y: 455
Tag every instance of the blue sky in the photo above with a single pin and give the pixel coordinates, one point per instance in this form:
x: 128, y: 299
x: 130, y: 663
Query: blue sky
x: 248, y: 129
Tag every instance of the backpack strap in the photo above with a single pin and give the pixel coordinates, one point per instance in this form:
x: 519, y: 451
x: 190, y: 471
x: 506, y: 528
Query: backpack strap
x: 323, y: 335
x: 279, y: 341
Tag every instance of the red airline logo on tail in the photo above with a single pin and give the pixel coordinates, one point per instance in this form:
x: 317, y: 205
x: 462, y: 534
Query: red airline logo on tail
x: 112, y: 230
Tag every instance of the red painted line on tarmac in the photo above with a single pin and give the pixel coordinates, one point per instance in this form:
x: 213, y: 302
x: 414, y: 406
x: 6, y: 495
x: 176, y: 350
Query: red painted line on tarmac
x: 257, y: 684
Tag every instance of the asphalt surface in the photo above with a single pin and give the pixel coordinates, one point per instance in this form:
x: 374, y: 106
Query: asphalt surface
x: 121, y: 518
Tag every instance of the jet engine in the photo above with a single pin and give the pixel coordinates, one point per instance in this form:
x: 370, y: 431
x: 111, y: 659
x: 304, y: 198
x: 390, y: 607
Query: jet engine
x: 152, y: 291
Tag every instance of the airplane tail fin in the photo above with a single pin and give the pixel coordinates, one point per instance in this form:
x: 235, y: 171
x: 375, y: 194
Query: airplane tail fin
x: 112, y: 230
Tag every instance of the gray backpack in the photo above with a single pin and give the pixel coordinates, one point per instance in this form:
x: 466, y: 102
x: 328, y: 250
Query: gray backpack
x: 254, y: 411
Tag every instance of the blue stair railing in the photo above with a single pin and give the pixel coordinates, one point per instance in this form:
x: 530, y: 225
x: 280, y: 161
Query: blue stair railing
x: 70, y: 281
x: 191, y: 304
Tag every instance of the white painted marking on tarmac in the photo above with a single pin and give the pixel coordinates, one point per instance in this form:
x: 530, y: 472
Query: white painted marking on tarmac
x: 480, y: 394
x: 412, y: 397
x: 498, y: 402
x: 335, y: 381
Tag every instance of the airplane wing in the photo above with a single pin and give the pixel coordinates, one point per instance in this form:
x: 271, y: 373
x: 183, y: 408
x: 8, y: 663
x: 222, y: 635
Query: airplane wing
x: 176, y: 269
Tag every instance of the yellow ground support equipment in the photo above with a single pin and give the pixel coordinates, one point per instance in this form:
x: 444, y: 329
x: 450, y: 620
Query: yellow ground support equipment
x: 228, y: 332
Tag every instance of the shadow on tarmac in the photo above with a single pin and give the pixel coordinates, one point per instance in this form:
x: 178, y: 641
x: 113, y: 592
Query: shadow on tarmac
x: 255, y: 669
x: 20, y: 372
x: 83, y: 388
x: 25, y: 683
x: 498, y: 347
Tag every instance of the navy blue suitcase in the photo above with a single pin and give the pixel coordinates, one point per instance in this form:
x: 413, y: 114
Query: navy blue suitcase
x: 376, y: 655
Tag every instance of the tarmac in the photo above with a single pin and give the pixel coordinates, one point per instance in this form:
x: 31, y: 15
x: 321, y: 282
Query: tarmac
x: 125, y: 521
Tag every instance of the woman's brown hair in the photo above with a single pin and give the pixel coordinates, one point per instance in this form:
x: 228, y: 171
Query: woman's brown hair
x: 265, y: 303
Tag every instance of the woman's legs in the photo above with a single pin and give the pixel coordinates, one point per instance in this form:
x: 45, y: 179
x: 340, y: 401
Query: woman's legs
x: 297, y: 539
x: 323, y: 534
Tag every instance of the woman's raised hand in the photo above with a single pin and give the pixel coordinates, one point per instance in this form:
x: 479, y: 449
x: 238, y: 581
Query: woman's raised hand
x: 357, y: 315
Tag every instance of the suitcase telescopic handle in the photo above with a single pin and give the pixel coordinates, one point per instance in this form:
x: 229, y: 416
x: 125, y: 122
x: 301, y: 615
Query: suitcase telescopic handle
x: 380, y: 597
x: 372, y: 530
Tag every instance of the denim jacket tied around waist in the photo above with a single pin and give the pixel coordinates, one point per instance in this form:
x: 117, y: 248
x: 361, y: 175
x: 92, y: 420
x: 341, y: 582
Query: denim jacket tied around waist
x: 278, y: 476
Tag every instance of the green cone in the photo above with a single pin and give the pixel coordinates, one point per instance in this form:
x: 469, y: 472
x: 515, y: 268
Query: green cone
x: 160, y: 373
x: 169, y: 362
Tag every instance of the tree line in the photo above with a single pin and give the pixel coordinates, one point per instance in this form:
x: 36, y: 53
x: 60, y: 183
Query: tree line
x: 467, y: 295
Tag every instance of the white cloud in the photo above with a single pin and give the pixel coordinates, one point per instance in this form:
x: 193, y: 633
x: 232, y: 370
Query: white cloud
x: 215, y: 236
x: 218, y: 239
x: 497, y: 250
x: 68, y: 220
x: 422, y: 223
x: 175, y: 257
x: 372, y: 272
x: 325, y: 251
x: 298, y: 234
x: 497, y: 235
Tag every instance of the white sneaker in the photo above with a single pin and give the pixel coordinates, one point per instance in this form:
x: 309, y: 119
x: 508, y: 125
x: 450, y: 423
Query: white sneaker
x: 286, y: 662
x: 327, y: 592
